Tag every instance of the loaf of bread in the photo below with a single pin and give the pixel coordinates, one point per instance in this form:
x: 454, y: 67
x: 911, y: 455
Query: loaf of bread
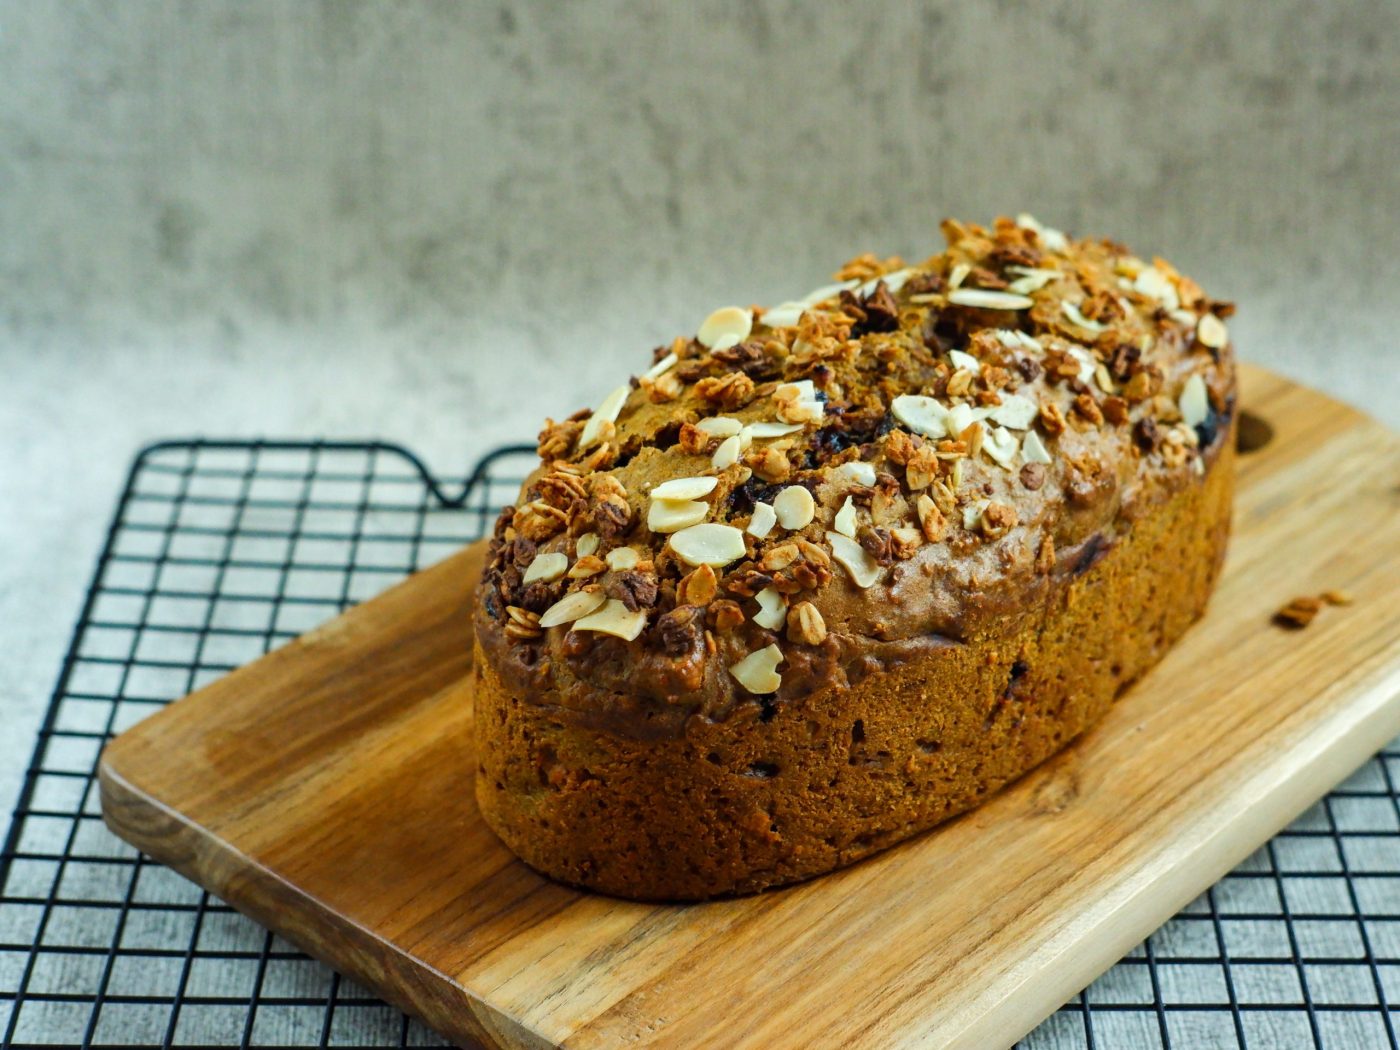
x: 828, y: 573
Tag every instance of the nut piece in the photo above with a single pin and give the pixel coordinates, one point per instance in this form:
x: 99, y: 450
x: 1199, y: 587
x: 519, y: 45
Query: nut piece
x: 1016, y: 412
x: 772, y: 612
x: 709, y: 544
x: 770, y: 464
x: 605, y: 415
x: 570, y: 607
x: 614, y: 618
x: 1001, y: 445
x: 521, y: 623
x: 588, y: 565
x: 1211, y: 332
x: 845, y: 522
x: 1194, y: 404
x: 794, y: 507
x: 1033, y: 450
x: 860, y: 472
x: 921, y: 414
x: 728, y: 453
x: 684, y: 488
x: 855, y: 559
x: 932, y: 521
x: 728, y: 325
x: 765, y: 431
x: 661, y: 367
x: 621, y: 559
x: 546, y: 568
x: 983, y: 299
x: 775, y: 559
x: 997, y: 520
x: 758, y: 672
x: 720, y: 426
x: 805, y: 624
x: 587, y: 544
x: 763, y: 520
x: 698, y: 587
x: 666, y: 515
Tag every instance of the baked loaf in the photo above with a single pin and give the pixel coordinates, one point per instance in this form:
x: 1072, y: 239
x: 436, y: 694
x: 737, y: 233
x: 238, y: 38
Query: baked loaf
x: 829, y: 573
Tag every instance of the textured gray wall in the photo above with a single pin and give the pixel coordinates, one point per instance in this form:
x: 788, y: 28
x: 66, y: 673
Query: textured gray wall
x: 436, y: 222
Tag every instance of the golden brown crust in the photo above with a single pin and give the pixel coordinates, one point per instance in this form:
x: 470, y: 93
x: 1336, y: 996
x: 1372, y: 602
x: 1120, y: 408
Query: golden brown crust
x: 861, y: 487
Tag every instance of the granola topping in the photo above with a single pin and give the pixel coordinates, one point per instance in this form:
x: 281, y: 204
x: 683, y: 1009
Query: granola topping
x: 781, y: 463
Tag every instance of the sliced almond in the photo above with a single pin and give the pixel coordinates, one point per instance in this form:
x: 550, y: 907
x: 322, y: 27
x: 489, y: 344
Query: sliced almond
x: 570, y: 607
x: 1052, y: 238
x: 1154, y: 284
x: 1211, y: 332
x: 666, y: 515
x: 855, y: 559
x: 720, y: 426
x: 728, y: 452
x: 1015, y: 411
x: 607, y: 412
x: 587, y: 544
x: 828, y: 291
x: 684, y: 488
x: 661, y: 367
x: 546, y: 568
x: 784, y: 315
x: 614, y: 618
x: 987, y: 299
x: 758, y: 672
x: 763, y: 520
x: 772, y: 609
x: 1001, y: 445
x: 958, y: 275
x: 588, y: 565
x: 857, y: 471
x: 894, y: 281
x: 798, y: 389
x: 764, y: 431
x: 794, y: 507
x: 620, y: 559
x: 731, y: 322
x: 1193, y: 403
x: 921, y: 414
x: 1033, y: 450
x: 1087, y: 363
x: 1029, y: 279
x: 960, y: 417
x: 972, y: 513
x: 963, y: 360
x: 710, y: 544
x: 802, y: 411
x: 1071, y: 310
x: 845, y: 522
x: 775, y: 559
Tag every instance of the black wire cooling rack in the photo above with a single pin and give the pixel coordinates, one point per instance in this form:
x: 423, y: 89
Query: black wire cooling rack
x: 220, y: 550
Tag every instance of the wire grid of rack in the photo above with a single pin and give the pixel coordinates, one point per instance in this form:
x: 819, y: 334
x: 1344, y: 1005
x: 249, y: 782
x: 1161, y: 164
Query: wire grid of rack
x: 220, y: 551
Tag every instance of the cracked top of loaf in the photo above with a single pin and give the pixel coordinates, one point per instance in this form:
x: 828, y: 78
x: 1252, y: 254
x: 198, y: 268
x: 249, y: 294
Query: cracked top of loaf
x: 798, y: 495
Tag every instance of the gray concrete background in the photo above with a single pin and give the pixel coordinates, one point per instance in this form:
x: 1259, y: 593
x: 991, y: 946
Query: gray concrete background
x: 436, y: 222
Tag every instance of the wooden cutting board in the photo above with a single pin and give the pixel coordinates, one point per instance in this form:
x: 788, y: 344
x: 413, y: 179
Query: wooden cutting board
x: 326, y: 791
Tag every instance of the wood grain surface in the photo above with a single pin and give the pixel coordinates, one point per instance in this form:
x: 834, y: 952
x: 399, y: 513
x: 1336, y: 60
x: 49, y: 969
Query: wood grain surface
x: 326, y: 790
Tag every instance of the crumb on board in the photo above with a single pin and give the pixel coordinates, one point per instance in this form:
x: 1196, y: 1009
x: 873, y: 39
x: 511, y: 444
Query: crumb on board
x: 1300, y: 612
